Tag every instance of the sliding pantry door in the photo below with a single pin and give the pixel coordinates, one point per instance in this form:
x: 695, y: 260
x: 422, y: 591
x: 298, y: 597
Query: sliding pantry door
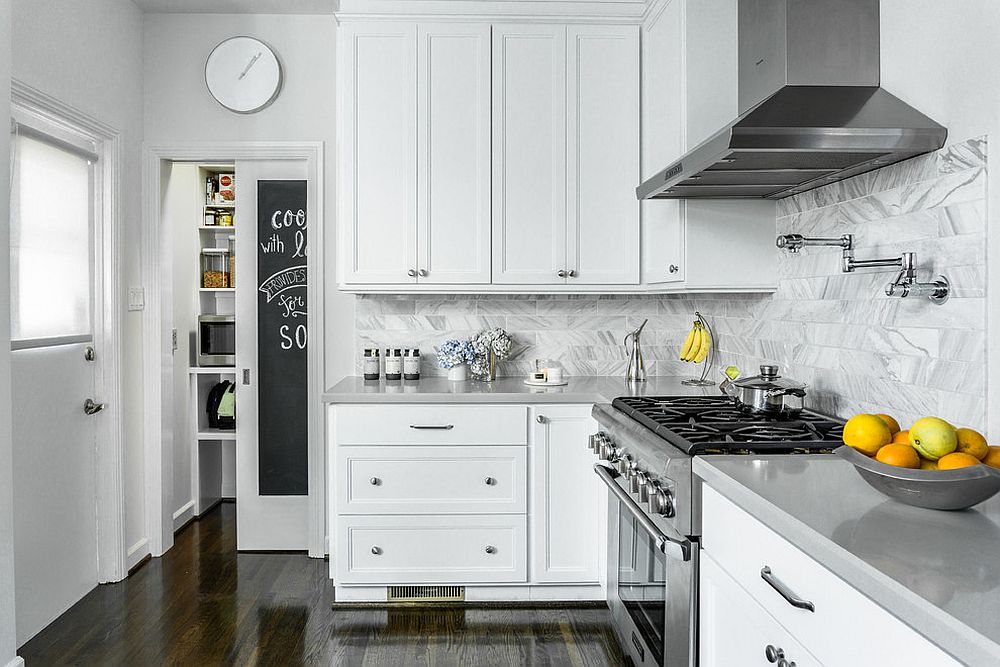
x: 272, y: 410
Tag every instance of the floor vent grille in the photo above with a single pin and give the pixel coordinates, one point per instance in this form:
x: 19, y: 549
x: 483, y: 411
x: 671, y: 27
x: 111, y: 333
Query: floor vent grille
x: 426, y: 594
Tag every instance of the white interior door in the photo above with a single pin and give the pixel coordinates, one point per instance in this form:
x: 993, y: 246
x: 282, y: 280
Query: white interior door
x: 54, y: 462
x: 267, y: 519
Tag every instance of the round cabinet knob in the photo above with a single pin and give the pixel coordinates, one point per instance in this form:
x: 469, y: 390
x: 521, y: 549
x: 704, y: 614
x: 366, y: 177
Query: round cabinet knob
x: 773, y: 653
x: 541, y: 419
x: 423, y: 273
x: 377, y: 551
x: 674, y: 268
x: 374, y: 481
x: 561, y: 273
x: 571, y: 273
x: 412, y: 273
x: 490, y: 481
x: 785, y: 663
x: 490, y: 549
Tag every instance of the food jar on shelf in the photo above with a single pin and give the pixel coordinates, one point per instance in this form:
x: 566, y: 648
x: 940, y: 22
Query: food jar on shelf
x: 225, y: 218
x: 210, y: 218
x: 214, y: 268
x: 232, y: 261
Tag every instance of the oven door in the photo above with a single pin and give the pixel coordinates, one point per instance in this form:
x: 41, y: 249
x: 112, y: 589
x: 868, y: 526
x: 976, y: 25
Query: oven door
x: 652, y: 582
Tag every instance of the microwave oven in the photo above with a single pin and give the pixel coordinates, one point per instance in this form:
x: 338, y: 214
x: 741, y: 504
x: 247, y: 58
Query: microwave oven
x: 217, y: 340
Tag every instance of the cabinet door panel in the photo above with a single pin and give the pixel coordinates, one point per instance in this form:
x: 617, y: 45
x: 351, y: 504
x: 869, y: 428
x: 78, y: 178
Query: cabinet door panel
x: 378, y: 151
x: 568, y: 503
x: 453, y: 192
x: 529, y: 154
x: 603, y: 148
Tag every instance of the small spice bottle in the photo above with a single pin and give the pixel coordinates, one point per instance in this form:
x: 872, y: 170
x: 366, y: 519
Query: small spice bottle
x: 411, y: 364
x: 372, y: 368
x: 393, y: 363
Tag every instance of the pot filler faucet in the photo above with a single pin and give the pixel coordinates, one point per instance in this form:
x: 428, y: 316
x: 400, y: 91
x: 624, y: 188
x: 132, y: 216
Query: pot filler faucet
x: 905, y: 284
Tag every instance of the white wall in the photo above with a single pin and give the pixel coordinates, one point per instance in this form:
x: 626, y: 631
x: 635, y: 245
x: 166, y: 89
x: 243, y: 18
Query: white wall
x: 179, y: 108
x: 89, y: 55
x: 942, y: 57
x: 8, y: 643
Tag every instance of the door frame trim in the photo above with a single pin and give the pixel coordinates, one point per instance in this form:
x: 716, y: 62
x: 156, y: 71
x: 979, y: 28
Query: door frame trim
x: 156, y: 451
x: 107, y: 313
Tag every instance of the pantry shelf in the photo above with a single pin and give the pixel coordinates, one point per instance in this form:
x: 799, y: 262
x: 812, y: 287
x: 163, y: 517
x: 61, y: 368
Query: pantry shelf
x: 216, y: 289
x: 218, y: 228
x: 216, y: 434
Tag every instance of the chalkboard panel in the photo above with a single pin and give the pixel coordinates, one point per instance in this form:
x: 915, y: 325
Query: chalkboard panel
x: 282, y: 444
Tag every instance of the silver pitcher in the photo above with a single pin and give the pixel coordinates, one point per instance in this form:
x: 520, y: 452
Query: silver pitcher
x: 636, y: 371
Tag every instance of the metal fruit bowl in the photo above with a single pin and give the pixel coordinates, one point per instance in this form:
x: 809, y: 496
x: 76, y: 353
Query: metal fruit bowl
x: 934, y: 489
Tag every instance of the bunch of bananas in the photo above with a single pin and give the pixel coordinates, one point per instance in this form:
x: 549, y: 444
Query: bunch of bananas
x: 697, y: 344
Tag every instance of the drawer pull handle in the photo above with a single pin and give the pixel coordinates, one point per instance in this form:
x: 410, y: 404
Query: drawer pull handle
x: 432, y: 427
x: 491, y: 549
x: 783, y: 591
x: 377, y: 551
x: 375, y: 481
x: 490, y: 481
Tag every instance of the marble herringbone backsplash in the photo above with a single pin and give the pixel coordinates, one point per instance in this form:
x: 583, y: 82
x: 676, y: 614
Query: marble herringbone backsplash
x: 856, y: 348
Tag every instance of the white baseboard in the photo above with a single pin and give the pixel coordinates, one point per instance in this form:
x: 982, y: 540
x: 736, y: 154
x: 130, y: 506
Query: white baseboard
x: 184, y: 514
x: 495, y: 593
x: 136, y: 553
x: 18, y: 661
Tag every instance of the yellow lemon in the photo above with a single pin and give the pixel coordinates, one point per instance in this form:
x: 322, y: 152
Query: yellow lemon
x: 933, y: 437
x: 866, y: 433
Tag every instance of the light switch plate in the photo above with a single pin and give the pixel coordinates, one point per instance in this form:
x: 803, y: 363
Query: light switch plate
x: 136, y: 298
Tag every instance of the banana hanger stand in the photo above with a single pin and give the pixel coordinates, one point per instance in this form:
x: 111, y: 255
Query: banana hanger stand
x: 709, y: 361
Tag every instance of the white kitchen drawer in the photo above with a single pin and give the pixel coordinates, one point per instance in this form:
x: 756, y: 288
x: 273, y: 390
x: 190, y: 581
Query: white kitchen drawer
x: 431, y: 480
x: 846, y: 627
x: 733, y: 629
x: 431, y: 425
x: 431, y: 549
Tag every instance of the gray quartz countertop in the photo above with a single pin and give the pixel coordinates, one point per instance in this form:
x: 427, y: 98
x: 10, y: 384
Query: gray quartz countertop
x: 937, y: 571
x: 597, y: 389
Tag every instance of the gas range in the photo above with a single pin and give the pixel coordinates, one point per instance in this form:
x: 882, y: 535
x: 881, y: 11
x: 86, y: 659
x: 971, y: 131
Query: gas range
x: 644, y: 448
x: 713, y: 425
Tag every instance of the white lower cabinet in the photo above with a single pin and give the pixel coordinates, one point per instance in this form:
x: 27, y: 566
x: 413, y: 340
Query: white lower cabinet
x: 475, y: 496
x: 735, y: 630
x: 835, y: 622
x: 567, y: 500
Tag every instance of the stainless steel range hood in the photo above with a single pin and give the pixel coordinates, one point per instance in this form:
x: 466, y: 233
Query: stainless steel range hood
x: 811, y: 109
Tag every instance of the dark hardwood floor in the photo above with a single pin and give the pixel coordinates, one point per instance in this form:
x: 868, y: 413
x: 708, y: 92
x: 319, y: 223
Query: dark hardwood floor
x: 204, y: 604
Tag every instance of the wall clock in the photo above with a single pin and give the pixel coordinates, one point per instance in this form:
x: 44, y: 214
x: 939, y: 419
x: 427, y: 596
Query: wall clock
x: 243, y: 74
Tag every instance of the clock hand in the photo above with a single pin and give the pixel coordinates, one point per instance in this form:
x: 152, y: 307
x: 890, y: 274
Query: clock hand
x: 253, y: 61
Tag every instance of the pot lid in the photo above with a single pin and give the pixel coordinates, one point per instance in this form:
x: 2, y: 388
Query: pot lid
x: 768, y: 379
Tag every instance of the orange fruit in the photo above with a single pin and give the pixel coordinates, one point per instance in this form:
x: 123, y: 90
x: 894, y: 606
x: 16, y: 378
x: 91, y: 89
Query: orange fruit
x: 957, y: 460
x: 992, y: 458
x: 902, y: 456
x: 901, y: 438
x: 971, y: 442
x: 866, y: 433
x: 928, y: 465
x: 890, y: 422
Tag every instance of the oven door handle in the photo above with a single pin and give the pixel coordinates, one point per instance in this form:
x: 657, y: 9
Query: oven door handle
x: 675, y: 546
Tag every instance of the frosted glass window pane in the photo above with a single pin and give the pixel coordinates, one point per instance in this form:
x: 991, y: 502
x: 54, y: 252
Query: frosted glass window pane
x: 50, y: 242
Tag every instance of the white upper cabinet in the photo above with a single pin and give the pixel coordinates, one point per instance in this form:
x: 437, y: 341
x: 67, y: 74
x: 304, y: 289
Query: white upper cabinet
x: 453, y: 148
x: 529, y: 154
x: 377, y: 159
x: 415, y: 153
x: 663, y: 133
x: 711, y: 66
x: 603, y: 150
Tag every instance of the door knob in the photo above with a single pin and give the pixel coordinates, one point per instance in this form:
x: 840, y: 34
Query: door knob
x: 674, y: 268
x: 571, y: 273
x: 374, y: 481
x: 91, y: 408
x: 90, y: 355
x: 541, y: 419
x: 490, y: 481
x: 561, y: 273
x: 423, y: 273
x: 491, y: 549
x: 412, y: 273
x: 377, y: 551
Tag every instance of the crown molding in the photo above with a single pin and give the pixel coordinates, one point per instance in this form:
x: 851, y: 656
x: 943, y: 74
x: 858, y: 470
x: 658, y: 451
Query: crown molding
x: 497, y: 11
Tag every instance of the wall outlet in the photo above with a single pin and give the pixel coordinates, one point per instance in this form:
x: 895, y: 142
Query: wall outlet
x: 136, y: 298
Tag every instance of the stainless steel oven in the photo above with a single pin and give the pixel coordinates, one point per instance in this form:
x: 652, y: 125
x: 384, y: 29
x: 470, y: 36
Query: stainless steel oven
x: 216, y: 340
x: 652, y: 574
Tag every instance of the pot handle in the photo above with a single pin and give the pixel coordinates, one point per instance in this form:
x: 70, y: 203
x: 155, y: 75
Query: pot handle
x: 772, y: 393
